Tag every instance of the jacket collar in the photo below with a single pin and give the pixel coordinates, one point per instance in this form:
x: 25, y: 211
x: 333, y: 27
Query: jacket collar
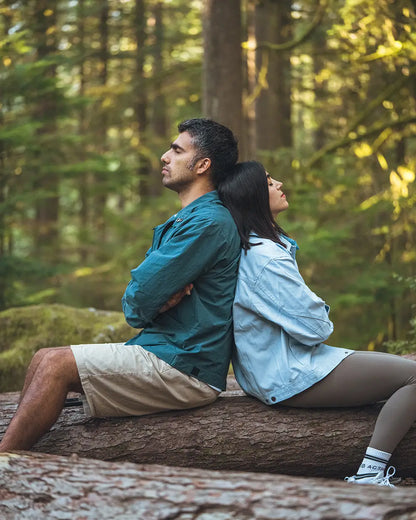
x: 211, y: 196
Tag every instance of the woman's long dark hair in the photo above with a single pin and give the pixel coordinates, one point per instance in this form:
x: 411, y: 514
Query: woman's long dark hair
x: 245, y: 192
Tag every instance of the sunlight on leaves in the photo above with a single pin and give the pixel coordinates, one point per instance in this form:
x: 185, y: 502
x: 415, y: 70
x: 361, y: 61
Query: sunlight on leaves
x: 363, y: 150
x: 83, y: 271
x: 372, y: 201
x: 400, y: 180
x: 382, y: 161
x: 40, y: 296
x: 406, y: 174
x: 381, y: 256
x: 333, y: 196
x: 399, y: 186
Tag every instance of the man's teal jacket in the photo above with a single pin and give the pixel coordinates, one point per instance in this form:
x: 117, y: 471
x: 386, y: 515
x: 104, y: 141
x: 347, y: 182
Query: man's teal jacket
x: 198, y: 245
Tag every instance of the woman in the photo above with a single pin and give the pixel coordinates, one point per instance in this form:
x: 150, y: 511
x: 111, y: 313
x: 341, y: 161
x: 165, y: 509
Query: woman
x: 280, y: 326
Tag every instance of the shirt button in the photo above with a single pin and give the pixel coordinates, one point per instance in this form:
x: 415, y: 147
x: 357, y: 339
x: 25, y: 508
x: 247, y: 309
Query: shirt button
x: 274, y: 399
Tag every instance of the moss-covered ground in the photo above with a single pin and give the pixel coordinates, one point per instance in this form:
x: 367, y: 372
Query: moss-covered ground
x: 24, y: 330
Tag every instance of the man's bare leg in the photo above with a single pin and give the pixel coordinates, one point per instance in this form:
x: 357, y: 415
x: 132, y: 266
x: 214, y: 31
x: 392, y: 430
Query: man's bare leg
x: 55, y: 375
x: 36, y: 359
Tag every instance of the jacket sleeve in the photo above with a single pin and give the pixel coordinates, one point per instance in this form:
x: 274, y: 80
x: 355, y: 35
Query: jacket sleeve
x: 282, y: 297
x: 189, y: 252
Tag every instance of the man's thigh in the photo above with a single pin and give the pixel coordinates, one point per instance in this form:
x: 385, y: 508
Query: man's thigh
x: 121, y: 380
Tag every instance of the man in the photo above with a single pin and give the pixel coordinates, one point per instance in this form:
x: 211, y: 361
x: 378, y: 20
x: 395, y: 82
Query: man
x: 181, y: 295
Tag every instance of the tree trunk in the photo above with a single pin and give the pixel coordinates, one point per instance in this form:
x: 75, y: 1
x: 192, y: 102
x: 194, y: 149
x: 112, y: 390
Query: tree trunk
x: 38, y: 485
x: 140, y: 84
x: 250, y: 91
x: 273, y: 107
x: 45, y: 178
x: 85, y: 179
x: 234, y: 433
x: 141, y: 98
x: 222, y: 68
x: 159, y: 117
x: 320, y: 87
x: 100, y: 179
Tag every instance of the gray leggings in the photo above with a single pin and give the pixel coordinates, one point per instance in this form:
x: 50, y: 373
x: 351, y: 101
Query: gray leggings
x: 365, y: 378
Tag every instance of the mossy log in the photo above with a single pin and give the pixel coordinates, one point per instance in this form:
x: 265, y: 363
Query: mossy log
x: 235, y: 433
x: 24, y: 330
x: 45, y: 486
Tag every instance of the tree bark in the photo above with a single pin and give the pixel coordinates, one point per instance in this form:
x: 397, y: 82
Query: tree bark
x: 99, y: 181
x: 84, y: 184
x: 234, y: 433
x: 141, y: 97
x: 273, y: 106
x: 36, y: 485
x: 159, y: 116
x: 46, y: 111
x: 222, y: 67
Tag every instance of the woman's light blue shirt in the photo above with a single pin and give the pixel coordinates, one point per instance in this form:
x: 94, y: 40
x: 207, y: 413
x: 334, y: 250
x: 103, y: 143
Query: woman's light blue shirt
x: 279, y: 325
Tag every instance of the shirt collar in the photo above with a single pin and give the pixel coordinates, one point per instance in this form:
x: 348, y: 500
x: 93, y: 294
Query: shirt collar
x: 292, y: 245
x: 211, y: 196
x: 292, y: 242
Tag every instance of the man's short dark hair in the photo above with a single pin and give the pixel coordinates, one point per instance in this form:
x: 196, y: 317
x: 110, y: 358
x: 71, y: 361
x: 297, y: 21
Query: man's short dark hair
x: 215, y: 141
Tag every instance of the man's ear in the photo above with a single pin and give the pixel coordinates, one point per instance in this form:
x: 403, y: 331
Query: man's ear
x: 203, y: 165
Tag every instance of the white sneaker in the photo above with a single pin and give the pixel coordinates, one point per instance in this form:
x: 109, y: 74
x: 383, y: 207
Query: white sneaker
x: 378, y: 480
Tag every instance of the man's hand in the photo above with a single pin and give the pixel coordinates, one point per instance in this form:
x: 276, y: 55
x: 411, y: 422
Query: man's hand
x: 177, y: 297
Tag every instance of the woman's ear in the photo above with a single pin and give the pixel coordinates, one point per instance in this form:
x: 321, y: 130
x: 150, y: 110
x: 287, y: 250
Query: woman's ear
x: 203, y: 165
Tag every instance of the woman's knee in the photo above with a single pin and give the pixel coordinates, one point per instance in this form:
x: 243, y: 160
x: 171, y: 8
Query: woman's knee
x: 411, y: 382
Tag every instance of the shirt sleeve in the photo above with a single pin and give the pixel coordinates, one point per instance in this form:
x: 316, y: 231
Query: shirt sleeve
x: 190, y: 251
x: 282, y: 297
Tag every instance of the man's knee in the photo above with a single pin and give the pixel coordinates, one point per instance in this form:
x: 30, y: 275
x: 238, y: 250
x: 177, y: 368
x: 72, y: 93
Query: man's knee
x: 39, y: 355
x: 60, y: 363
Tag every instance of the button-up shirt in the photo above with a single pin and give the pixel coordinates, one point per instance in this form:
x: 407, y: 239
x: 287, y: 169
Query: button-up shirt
x: 279, y: 325
x: 199, y: 245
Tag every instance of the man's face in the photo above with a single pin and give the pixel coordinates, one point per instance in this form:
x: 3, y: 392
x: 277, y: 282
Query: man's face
x: 179, y: 169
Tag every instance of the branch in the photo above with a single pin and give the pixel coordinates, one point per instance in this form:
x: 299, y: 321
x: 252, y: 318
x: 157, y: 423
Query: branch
x: 377, y: 128
x: 317, y: 19
x: 349, y: 139
x: 386, y: 93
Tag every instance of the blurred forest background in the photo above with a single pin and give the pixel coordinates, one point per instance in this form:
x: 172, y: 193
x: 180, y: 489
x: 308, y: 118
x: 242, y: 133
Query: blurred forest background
x: 322, y: 91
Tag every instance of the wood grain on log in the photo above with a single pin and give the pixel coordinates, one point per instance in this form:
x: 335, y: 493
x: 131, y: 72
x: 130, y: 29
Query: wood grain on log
x: 234, y: 433
x: 34, y: 486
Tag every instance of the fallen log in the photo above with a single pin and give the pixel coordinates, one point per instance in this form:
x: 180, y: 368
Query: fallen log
x: 45, y: 486
x: 235, y: 433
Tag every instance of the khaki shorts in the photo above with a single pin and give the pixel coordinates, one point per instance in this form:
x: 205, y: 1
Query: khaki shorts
x: 120, y: 380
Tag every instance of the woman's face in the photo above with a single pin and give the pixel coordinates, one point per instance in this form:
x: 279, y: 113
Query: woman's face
x: 277, y: 199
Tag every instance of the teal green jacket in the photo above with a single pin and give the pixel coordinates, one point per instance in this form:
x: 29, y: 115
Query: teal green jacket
x: 198, y: 245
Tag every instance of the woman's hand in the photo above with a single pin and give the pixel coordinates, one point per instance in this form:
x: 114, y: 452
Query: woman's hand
x: 177, y: 297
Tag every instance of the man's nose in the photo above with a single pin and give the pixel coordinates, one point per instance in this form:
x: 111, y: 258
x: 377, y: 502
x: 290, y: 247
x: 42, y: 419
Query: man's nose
x: 165, y: 158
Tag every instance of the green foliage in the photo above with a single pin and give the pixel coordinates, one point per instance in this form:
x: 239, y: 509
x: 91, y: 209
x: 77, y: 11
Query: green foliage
x: 408, y: 345
x: 353, y: 181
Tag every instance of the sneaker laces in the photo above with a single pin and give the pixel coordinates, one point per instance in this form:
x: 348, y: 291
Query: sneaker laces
x: 385, y: 481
